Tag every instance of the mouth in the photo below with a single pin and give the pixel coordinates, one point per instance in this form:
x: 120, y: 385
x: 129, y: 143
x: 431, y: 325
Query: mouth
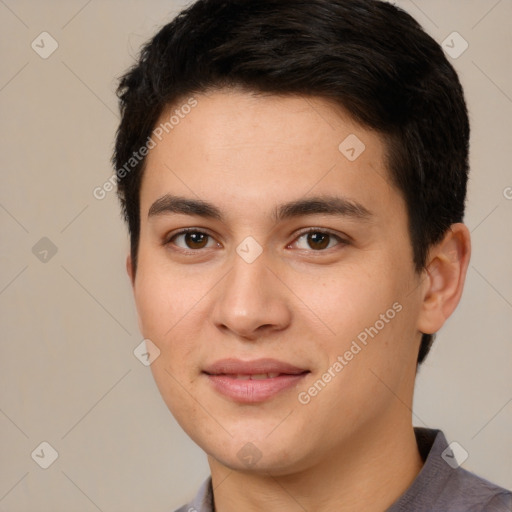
x: 253, y: 381
x: 254, y: 376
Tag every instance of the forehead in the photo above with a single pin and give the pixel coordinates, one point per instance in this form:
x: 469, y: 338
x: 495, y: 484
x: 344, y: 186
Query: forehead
x: 246, y: 151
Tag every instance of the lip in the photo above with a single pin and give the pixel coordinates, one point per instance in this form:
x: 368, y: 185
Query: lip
x: 222, y: 375
x: 233, y: 366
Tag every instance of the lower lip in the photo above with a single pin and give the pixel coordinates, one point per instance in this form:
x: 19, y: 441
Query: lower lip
x: 253, y: 391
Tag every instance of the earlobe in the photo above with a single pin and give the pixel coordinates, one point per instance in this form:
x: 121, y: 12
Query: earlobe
x: 129, y: 268
x: 444, y: 278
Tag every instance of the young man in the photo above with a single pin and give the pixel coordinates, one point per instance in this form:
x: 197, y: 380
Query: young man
x: 293, y: 175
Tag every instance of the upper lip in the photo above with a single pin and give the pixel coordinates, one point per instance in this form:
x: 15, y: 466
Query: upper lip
x: 257, y: 366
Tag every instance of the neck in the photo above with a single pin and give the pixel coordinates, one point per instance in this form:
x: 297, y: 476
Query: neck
x: 368, y: 472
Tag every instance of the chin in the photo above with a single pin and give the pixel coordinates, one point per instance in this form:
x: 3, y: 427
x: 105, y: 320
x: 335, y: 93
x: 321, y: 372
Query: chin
x: 259, y: 454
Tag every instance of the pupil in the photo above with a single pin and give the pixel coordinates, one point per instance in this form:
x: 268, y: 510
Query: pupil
x: 195, y: 240
x: 318, y: 240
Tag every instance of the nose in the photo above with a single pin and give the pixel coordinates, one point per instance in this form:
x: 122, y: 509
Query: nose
x: 251, y: 300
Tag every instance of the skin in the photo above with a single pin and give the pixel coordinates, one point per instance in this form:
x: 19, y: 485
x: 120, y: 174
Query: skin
x: 352, y: 447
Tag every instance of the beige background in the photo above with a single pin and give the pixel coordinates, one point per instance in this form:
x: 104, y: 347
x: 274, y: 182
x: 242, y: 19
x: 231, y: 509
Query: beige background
x: 68, y: 375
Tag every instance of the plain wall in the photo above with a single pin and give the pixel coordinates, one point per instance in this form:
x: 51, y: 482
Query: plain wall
x: 68, y: 375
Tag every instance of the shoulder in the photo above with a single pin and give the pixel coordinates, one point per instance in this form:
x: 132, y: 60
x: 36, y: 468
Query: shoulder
x: 473, y: 493
x: 456, y: 490
x: 443, y: 485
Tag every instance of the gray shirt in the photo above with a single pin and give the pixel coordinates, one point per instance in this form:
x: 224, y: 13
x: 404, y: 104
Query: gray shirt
x: 439, y: 487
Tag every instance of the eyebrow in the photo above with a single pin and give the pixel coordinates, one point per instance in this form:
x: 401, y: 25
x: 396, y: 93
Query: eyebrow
x: 327, y: 205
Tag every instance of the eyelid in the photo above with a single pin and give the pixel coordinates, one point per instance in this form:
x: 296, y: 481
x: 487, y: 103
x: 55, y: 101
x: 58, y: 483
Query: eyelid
x: 327, y: 231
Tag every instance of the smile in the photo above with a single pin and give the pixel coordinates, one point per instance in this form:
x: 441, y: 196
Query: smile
x: 253, y: 381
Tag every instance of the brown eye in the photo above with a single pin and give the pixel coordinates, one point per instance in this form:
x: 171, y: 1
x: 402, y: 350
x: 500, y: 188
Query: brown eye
x: 318, y: 240
x: 192, y: 240
x: 196, y: 240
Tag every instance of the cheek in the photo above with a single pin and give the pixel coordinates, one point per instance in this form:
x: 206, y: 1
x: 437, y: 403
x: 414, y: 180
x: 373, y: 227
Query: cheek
x: 168, y: 304
x: 344, y: 301
x: 165, y: 309
x: 364, y: 316
x: 154, y: 307
x: 162, y: 296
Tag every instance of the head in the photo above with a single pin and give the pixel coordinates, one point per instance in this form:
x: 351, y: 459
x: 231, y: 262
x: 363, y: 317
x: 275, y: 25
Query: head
x: 265, y: 98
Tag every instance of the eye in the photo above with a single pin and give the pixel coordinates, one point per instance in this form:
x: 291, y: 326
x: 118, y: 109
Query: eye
x: 318, y: 240
x: 192, y: 239
x: 315, y: 239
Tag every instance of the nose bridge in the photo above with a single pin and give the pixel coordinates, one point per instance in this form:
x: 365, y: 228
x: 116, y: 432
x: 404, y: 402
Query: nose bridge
x: 251, y: 297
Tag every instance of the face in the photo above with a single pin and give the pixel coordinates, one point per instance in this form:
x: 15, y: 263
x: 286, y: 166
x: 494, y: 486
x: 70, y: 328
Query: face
x: 275, y: 276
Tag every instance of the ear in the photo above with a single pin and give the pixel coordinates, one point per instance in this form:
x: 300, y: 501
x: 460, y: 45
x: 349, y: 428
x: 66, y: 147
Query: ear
x: 443, y: 279
x: 129, y: 269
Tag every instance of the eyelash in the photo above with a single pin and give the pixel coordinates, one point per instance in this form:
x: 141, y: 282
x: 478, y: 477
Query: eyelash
x: 341, y: 241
